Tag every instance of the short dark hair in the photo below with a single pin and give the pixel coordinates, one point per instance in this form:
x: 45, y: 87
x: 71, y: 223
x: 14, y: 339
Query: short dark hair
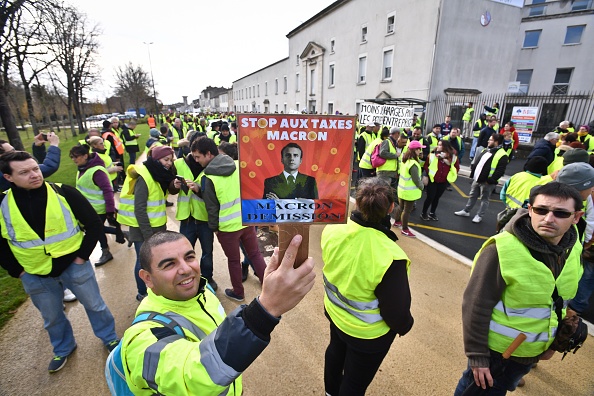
x: 145, y: 256
x: 229, y: 148
x: 291, y: 145
x: 79, y: 150
x: 557, y: 190
x: 7, y: 158
x: 205, y: 145
x: 374, y: 197
x: 498, y: 138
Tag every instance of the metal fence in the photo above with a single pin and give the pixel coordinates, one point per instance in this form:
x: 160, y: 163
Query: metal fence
x: 577, y: 107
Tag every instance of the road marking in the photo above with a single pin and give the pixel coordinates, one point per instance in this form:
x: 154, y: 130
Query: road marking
x: 466, y: 196
x: 449, y: 231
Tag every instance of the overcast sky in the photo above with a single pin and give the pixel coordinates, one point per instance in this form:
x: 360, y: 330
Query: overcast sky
x: 195, y: 43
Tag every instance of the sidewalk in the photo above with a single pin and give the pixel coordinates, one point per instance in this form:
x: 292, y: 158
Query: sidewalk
x: 427, y: 361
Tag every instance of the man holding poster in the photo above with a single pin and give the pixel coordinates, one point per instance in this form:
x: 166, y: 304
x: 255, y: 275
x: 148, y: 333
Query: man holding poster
x: 291, y: 183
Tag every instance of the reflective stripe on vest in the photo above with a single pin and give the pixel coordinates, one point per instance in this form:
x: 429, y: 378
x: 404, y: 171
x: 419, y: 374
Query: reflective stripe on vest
x: 90, y: 190
x: 390, y: 164
x: 498, y: 155
x: 119, y: 146
x: 189, y: 204
x: 434, y: 164
x: 481, y: 124
x: 62, y: 233
x: 518, y: 189
x: 365, y: 162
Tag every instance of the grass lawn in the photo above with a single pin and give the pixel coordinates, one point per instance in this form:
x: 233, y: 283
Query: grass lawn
x: 12, y: 294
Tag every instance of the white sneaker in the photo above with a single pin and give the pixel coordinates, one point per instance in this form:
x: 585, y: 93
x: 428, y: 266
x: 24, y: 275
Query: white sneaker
x: 462, y: 213
x: 68, y: 296
x: 477, y: 219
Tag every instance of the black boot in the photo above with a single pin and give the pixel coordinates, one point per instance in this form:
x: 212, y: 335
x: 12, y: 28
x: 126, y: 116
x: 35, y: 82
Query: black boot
x: 105, y: 257
x: 245, y: 269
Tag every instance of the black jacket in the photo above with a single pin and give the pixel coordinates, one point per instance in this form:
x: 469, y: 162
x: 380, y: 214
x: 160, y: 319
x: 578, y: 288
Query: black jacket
x: 499, y: 170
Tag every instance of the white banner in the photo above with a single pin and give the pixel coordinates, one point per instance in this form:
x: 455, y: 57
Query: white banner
x: 388, y: 115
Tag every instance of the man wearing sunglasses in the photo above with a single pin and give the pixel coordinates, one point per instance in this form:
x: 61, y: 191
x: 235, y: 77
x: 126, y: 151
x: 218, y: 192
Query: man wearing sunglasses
x: 512, y: 283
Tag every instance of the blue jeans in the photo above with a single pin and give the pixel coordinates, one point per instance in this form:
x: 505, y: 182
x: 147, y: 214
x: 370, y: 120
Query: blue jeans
x: 473, y: 147
x: 507, y: 381
x: 140, y: 285
x: 581, y: 300
x: 198, y: 230
x: 46, y: 294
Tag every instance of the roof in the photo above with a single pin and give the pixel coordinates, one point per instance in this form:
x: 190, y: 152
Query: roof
x: 317, y: 17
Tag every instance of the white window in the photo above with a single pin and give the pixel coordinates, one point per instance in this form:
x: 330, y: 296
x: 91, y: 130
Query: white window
x: 296, y: 60
x: 531, y: 38
x: 561, y: 83
x: 285, y: 108
x: 258, y: 90
x: 573, y: 35
x: 331, y: 75
x: 536, y: 9
x: 387, y: 64
x: 266, y: 88
x: 362, y: 69
x: 524, y: 77
x: 332, y: 43
x: 276, y: 86
x: 364, y: 33
x: 312, y: 82
x: 390, y: 27
x: 296, y: 82
x: 297, y: 106
x: 285, y: 84
x: 330, y: 108
x: 276, y: 107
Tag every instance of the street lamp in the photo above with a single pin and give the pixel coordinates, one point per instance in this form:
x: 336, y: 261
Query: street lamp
x: 152, y: 79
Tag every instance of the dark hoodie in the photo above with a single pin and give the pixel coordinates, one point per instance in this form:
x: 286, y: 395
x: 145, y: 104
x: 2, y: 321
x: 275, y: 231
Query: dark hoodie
x: 221, y: 165
x: 486, y: 285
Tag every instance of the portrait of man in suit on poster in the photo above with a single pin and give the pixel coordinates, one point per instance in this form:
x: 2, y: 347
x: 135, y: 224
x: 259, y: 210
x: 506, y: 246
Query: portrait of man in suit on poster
x: 291, y: 184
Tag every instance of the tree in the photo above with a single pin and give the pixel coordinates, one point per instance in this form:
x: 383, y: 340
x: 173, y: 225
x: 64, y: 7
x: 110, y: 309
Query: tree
x: 7, y: 9
x: 133, y: 84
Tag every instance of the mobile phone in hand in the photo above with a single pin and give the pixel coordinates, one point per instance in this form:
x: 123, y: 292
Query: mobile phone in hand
x: 44, y: 136
x: 184, y: 186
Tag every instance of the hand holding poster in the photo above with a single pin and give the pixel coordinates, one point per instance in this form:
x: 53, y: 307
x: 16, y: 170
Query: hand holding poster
x: 295, y: 168
x: 388, y: 115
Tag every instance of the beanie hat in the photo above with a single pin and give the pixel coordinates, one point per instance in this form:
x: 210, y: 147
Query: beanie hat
x: 161, y: 151
x: 154, y: 132
x: 537, y: 165
x: 578, y: 175
x: 574, y: 155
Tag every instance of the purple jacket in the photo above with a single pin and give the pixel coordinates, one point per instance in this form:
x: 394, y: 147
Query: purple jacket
x: 101, y: 180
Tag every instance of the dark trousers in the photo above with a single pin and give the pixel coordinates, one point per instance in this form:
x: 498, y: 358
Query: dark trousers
x: 196, y: 230
x: 434, y: 192
x: 230, y: 243
x: 351, y: 363
x: 132, y: 157
x: 106, y: 230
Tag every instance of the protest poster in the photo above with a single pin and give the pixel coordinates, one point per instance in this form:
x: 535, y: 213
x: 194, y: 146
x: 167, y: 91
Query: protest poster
x: 388, y: 115
x: 295, y: 168
x: 524, y: 119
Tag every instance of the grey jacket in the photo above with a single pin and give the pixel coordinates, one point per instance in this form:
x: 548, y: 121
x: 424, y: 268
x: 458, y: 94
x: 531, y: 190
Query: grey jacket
x: 221, y: 165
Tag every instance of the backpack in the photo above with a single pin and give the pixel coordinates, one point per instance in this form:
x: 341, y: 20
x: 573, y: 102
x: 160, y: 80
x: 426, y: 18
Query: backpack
x: 376, y: 160
x: 114, y: 368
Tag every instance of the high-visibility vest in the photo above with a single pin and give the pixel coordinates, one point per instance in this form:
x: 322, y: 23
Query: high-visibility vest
x: 481, y: 124
x: 356, y: 259
x: 365, y: 162
x: 134, y: 141
x: 108, y: 161
x: 232, y: 139
x: 588, y: 142
x: 155, y: 205
x: 228, y: 195
x: 175, y: 135
x: 434, y: 141
x: 390, y: 164
x: 62, y: 232
x: 90, y: 190
x: 468, y: 114
x: 494, y: 113
x: 368, y: 137
x: 526, y: 305
x: 555, y: 165
x: 407, y: 189
x: 496, y: 157
x: 151, y: 122
x: 189, y: 204
x: 433, y: 165
x: 518, y: 189
x: 119, y: 146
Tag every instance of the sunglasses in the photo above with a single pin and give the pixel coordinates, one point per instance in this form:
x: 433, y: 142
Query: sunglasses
x: 560, y: 214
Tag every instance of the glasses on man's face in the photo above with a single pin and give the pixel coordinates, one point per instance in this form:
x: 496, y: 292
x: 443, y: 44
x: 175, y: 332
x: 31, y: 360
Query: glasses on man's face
x: 560, y: 214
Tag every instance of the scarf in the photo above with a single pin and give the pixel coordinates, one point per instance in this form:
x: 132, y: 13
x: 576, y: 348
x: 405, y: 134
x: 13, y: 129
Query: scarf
x: 160, y: 174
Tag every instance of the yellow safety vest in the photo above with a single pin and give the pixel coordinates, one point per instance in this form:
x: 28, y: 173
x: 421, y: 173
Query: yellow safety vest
x: 407, y: 189
x: 90, y: 190
x: 228, y: 195
x: 433, y: 165
x: 481, y: 124
x: 496, y: 157
x: 108, y: 161
x: 369, y: 138
x: 133, y: 142
x: 232, y: 139
x: 518, y: 189
x: 62, y: 233
x: 526, y: 305
x: 352, y: 270
x: 156, y: 209
x: 365, y: 162
x: 555, y: 165
x: 468, y: 114
x: 390, y: 164
x: 189, y: 204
